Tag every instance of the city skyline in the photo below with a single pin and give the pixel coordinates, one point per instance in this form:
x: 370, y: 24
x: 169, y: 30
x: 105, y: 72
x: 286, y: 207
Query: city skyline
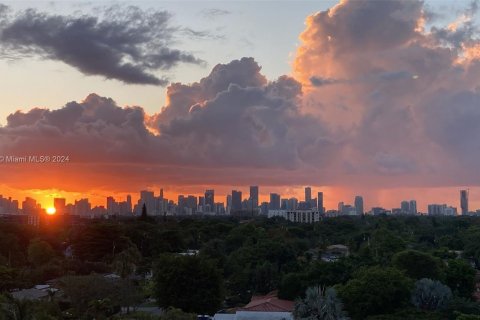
x: 349, y: 97
x: 236, y: 202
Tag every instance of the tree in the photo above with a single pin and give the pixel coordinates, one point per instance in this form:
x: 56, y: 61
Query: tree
x: 460, y: 276
x: 374, y: 291
x: 319, y: 304
x: 40, y: 252
x: 189, y: 283
x: 177, y: 314
x: 266, y: 278
x: 431, y: 294
x: 418, y: 265
x: 292, y: 286
x: 85, y: 292
x: 126, y: 261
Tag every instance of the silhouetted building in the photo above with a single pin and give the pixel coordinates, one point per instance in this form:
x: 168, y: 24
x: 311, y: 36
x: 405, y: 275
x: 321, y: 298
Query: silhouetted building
x: 236, y: 200
x: 209, y: 200
x: 308, y: 195
x: 464, y: 201
x: 359, y: 205
x: 413, y: 207
x: 254, y: 196
x: 60, y: 205
x: 274, y: 201
x: 320, y: 206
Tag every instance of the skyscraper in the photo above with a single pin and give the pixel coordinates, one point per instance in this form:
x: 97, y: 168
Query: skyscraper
x: 464, y: 201
x: 60, y: 205
x: 254, y: 196
x: 274, y: 201
x: 320, y: 202
x: 413, y: 207
x: 405, y: 207
x: 210, y: 200
x: 236, y: 200
x: 308, y: 194
x: 359, y: 205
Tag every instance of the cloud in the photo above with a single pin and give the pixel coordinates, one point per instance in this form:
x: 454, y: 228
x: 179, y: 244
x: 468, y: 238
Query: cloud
x: 405, y: 99
x: 126, y: 44
x: 374, y: 101
x: 232, y: 123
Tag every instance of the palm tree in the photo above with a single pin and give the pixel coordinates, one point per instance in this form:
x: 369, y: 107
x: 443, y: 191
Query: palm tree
x: 319, y: 304
x: 431, y: 294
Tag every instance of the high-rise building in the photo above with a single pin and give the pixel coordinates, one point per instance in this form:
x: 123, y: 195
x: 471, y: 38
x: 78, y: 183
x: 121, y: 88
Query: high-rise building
x: 292, y: 204
x: 413, y: 207
x: 236, y: 200
x: 60, y: 205
x: 147, y: 198
x: 464, y: 201
x: 320, y: 206
x: 308, y: 194
x: 359, y: 205
x: 229, y: 201
x: 129, y: 204
x: 254, y: 196
x: 192, y: 203
x: 112, y: 206
x: 274, y: 201
x: 405, y: 207
x: 210, y: 200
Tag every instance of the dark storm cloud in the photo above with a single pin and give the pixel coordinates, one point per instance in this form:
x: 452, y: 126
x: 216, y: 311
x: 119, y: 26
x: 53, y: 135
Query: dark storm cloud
x: 126, y: 44
x: 233, y: 117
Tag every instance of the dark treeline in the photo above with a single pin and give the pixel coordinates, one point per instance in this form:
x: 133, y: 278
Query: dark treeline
x: 203, y: 265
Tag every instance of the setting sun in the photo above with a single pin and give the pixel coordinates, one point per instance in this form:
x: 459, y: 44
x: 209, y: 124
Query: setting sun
x: 51, y: 211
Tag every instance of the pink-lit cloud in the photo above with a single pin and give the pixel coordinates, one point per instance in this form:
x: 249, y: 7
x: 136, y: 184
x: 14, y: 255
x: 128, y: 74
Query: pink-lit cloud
x: 377, y: 101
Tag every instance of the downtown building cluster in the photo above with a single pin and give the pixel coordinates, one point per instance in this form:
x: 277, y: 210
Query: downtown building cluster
x: 308, y: 209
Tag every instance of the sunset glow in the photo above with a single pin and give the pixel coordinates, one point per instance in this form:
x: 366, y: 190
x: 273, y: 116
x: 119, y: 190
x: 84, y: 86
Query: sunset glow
x: 51, y: 211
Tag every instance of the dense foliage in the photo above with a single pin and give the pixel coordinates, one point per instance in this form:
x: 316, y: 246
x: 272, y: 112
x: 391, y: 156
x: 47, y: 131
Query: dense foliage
x: 205, y: 264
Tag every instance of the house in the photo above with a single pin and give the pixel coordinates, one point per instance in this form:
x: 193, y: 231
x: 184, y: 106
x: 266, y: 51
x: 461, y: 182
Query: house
x: 268, y: 307
x: 39, y: 292
x: 335, y: 252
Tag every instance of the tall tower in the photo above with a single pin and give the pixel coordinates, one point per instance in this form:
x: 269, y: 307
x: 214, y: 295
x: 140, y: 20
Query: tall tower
x: 308, y: 194
x: 464, y: 201
x: 210, y: 199
x: 254, y: 196
x: 359, y: 205
x: 236, y: 200
x: 320, y: 202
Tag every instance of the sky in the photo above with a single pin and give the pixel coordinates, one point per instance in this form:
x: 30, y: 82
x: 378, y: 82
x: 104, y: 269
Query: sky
x: 372, y: 98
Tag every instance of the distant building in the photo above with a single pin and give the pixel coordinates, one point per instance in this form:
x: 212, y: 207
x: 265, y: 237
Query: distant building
x: 60, y: 205
x: 236, y: 200
x: 301, y: 216
x: 464, y: 201
x: 274, y: 201
x: 376, y: 211
x: 413, y: 207
x: 292, y: 204
x: 320, y: 205
x: 359, y: 205
x: 254, y: 196
x: 441, y: 209
x: 210, y: 200
x: 308, y: 194
x: 405, y: 207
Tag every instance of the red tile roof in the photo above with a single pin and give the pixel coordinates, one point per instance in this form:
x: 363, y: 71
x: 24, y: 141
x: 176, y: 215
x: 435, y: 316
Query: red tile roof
x: 269, y: 303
